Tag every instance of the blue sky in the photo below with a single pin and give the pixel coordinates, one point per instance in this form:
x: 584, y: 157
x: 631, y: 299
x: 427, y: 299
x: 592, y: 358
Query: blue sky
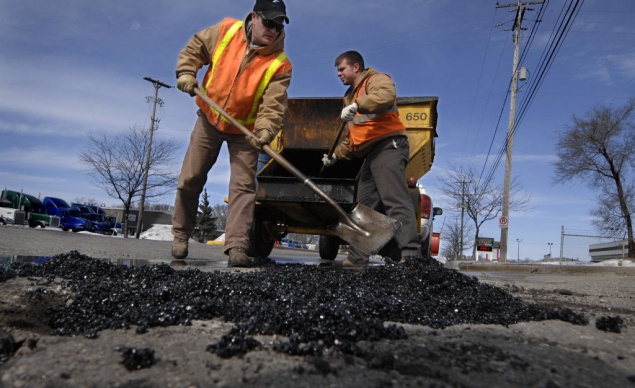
x: 72, y: 67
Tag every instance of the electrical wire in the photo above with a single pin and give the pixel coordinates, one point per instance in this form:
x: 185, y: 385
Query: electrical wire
x: 549, y: 53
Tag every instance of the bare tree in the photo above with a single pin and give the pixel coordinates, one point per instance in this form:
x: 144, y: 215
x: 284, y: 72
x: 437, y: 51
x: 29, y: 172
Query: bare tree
x: 481, y: 200
x: 88, y: 201
x: 452, y: 240
x: 161, y: 207
x: 598, y: 150
x: 220, y: 212
x: 116, y: 164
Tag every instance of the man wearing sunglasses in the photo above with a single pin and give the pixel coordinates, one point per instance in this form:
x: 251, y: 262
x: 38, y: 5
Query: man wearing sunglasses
x: 247, y: 74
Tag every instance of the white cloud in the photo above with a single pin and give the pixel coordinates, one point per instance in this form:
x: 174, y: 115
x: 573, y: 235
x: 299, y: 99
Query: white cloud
x: 534, y: 158
x: 624, y: 63
x: 41, y: 157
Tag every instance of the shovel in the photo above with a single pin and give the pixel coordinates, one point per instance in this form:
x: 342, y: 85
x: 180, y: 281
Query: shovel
x: 363, y: 227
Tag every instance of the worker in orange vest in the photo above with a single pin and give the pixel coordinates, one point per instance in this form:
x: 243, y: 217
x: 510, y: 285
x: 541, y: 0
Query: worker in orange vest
x: 376, y: 134
x: 248, y: 75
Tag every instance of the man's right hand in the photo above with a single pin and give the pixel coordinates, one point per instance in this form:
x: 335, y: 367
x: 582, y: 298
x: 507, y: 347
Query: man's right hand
x: 329, y: 161
x: 348, y: 113
x: 186, y: 83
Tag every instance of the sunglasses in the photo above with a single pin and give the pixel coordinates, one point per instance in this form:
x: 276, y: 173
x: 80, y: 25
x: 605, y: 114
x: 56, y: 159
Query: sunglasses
x: 268, y: 23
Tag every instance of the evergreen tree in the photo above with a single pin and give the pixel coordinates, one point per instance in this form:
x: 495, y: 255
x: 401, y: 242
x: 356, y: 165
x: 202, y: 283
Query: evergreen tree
x: 205, y: 221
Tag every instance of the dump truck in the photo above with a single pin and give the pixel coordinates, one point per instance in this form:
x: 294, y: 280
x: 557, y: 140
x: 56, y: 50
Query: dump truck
x: 285, y: 205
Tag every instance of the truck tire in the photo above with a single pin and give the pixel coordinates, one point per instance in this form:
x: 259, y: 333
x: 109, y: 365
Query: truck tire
x: 329, y: 246
x: 261, y: 243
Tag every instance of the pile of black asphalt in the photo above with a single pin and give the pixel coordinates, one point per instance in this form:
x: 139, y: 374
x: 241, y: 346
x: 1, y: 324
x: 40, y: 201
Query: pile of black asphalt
x: 311, y: 307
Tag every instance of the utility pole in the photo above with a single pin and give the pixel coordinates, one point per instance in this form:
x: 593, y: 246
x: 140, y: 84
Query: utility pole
x: 146, y: 169
x: 561, y: 244
x: 520, y: 12
x: 462, y: 216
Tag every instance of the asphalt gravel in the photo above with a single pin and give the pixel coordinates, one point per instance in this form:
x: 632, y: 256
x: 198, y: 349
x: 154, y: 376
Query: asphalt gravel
x: 313, y: 306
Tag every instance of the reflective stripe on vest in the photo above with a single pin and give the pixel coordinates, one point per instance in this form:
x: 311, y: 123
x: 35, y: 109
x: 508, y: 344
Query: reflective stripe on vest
x: 363, y: 117
x: 366, y: 127
x: 271, y: 71
x: 221, y: 47
x: 219, y: 50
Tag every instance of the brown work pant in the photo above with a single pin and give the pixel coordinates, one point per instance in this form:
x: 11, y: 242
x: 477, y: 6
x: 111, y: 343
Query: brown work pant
x: 382, y: 187
x: 202, y: 153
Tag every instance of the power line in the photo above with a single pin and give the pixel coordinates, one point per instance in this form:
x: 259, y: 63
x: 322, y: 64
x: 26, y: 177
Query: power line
x: 520, y: 12
x: 548, y: 58
x: 549, y: 55
x: 566, y: 17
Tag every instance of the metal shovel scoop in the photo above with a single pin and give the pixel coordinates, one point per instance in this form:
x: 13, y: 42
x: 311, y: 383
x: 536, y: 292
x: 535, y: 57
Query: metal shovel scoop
x: 363, y: 227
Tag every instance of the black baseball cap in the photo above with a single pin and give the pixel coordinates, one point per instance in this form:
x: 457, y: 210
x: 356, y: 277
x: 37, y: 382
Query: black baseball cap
x: 272, y: 9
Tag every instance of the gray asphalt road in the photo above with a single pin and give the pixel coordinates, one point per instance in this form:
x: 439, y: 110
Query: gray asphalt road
x: 19, y: 243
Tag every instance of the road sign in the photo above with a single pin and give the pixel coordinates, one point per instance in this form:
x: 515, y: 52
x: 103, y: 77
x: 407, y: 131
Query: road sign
x: 502, y: 222
x: 484, y: 244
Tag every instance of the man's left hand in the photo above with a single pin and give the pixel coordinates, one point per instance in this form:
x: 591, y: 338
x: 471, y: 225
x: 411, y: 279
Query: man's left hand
x: 260, y: 138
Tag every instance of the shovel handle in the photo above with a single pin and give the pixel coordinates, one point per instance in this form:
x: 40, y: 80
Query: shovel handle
x: 277, y: 157
x: 332, y: 149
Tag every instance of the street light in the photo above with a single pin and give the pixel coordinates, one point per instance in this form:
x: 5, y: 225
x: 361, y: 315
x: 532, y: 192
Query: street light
x: 550, y: 244
x: 518, y: 257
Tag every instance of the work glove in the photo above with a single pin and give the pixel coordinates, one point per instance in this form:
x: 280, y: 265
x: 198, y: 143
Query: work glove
x: 260, y: 138
x: 329, y: 161
x: 349, y: 112
x: 186, y: 83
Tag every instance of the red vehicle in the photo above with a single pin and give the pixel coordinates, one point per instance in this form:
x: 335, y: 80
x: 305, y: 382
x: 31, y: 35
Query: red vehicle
x: 430, y: 240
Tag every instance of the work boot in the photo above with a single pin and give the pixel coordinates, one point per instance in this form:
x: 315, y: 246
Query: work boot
x: 179, y: 248
x: 238, y: 258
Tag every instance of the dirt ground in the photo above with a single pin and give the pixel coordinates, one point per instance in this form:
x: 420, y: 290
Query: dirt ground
x: 547, y: 353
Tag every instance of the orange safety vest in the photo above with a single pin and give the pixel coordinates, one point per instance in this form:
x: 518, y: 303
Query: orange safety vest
x: 238, y: 93
x: 366, y: 127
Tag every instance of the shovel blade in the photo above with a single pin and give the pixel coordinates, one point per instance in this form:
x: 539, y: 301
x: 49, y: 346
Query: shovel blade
x: 366, y: 229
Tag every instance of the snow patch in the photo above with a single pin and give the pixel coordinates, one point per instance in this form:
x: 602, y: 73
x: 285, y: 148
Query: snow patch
x: 164, y: 233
